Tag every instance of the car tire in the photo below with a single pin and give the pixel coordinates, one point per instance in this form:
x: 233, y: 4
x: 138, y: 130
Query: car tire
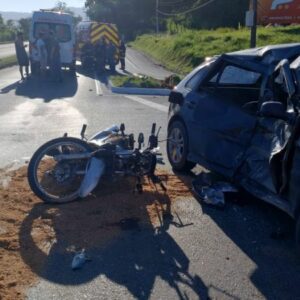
x: 297, y: 235
x: 72, y: 68
x: 177, y: 147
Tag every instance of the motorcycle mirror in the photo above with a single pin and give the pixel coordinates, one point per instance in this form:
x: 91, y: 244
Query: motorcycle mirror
x: 141, y: 138
x: 122, y: 128
x: 84, y: 126
x: 131, y: 141
x: 158, y: 131
x: 153, y: 128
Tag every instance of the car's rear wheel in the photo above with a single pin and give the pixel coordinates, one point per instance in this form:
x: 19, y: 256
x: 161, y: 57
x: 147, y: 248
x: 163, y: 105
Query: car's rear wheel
x: 297, y: 234
x: 177, y: 147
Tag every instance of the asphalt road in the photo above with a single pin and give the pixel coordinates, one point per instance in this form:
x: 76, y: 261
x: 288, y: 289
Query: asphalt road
x: 229, y: 254
x: 7, y: 50
x: 136, y: 62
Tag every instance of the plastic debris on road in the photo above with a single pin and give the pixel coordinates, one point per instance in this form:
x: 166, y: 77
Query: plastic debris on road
x: 79, y: 260
x: 210, y: 192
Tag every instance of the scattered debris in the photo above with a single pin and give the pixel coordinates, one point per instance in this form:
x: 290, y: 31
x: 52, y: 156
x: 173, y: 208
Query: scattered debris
x: 79, y: 260
x: 210, y: 192
x: 31, y: 230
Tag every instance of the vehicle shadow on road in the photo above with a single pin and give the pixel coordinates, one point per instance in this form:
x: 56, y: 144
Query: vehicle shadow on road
x: 266, y: 235
x: 38, y: 88
x: 10, y: 87
x: 125, y: 234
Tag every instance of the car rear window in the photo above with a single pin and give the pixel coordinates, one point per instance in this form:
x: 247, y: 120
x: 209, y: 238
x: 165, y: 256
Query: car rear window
x: 238, y: 76
x: 62, y: 31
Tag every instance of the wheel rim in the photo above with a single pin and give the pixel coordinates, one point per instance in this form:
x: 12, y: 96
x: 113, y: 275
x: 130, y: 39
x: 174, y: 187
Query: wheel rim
x: 176, y: 145
x: 60, y: 181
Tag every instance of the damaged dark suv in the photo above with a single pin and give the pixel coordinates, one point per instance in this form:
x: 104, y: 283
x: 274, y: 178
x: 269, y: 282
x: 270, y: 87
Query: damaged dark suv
x: 238, y: 115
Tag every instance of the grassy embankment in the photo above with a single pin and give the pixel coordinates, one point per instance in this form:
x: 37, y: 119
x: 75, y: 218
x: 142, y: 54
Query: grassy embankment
x: 184, y: 51
x: 132, y: 81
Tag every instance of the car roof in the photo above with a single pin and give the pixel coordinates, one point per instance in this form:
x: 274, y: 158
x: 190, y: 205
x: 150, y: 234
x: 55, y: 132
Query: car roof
x: 269, y: 54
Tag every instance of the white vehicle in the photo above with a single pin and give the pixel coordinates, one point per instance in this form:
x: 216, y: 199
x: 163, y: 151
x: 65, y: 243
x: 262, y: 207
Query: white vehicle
x: 62, y: 24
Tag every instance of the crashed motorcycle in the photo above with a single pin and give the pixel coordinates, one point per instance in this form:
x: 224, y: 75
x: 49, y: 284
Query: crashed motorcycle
x: 68, y: 168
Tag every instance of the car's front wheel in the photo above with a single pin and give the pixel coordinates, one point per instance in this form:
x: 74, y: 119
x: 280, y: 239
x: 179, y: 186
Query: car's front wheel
x: 297, y: 231
x: 177, y: 147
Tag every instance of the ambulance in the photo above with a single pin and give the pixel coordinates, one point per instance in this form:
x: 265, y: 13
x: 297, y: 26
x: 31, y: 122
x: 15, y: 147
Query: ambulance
x: 62, y: 24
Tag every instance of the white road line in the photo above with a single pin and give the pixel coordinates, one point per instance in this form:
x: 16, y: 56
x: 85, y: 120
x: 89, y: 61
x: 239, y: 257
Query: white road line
x: 98, y: 86
x: 157, y: 106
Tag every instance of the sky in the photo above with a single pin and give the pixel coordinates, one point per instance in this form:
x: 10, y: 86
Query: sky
x: 30, y: 5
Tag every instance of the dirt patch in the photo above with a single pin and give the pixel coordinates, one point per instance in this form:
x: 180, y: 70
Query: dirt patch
x: 30, y: 230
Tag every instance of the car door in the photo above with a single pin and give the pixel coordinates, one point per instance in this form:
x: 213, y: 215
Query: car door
x: 220, y: 127
x: 266, y: 158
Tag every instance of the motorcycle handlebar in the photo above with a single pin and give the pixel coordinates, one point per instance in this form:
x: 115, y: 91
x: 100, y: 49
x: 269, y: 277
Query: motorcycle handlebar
x: 153, y: 128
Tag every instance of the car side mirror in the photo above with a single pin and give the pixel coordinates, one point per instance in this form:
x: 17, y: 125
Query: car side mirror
x: 176, y: 98
x: 141, y: 138
x: 274, y: 110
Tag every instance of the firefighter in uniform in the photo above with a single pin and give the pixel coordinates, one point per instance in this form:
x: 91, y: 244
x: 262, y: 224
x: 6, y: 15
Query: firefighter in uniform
x: 122, y: 54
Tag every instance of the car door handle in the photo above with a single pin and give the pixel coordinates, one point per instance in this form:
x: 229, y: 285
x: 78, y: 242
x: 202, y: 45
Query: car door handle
x: 191, y: 104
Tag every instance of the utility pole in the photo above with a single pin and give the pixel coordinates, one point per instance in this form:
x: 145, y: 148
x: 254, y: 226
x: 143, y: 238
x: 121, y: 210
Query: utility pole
x: 157, y: 21
x: 254, y: 25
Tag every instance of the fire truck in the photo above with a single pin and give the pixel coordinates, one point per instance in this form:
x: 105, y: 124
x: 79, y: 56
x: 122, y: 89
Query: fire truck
x: 89, y: 33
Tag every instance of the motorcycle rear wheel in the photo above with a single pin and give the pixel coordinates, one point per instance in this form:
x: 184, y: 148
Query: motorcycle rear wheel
x: 57, y: 182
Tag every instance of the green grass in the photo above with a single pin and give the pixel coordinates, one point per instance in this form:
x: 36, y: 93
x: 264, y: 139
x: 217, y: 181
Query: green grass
x: 132, y: 81
x: 185, y: 50
x: 8, y: 61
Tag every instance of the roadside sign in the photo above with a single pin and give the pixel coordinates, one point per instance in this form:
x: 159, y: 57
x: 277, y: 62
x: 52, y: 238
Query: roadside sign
x: 281, y: 12
x: 249, y: 18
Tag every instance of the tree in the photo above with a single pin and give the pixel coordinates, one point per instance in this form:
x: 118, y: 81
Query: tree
x: 131, y: 16
x: 10, y: 25
x: 1, y: 23
x: 138, y: 16
x: 7, y: 30
x: 219, y: 13
x: 62, y: 6
x: 24, y: 26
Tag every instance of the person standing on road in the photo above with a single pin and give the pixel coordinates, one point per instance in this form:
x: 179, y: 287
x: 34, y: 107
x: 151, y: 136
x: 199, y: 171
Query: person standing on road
x: 21, y: 54
x: 54, y: 58
x: 111, y: 53
x: 87, y: 55
x: 42, y: 53
x: 100, y: 54
x: 34, y: 59
x: 122, y: 50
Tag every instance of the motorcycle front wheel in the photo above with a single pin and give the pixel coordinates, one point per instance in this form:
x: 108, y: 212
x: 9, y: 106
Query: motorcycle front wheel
x: 58, y: 181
